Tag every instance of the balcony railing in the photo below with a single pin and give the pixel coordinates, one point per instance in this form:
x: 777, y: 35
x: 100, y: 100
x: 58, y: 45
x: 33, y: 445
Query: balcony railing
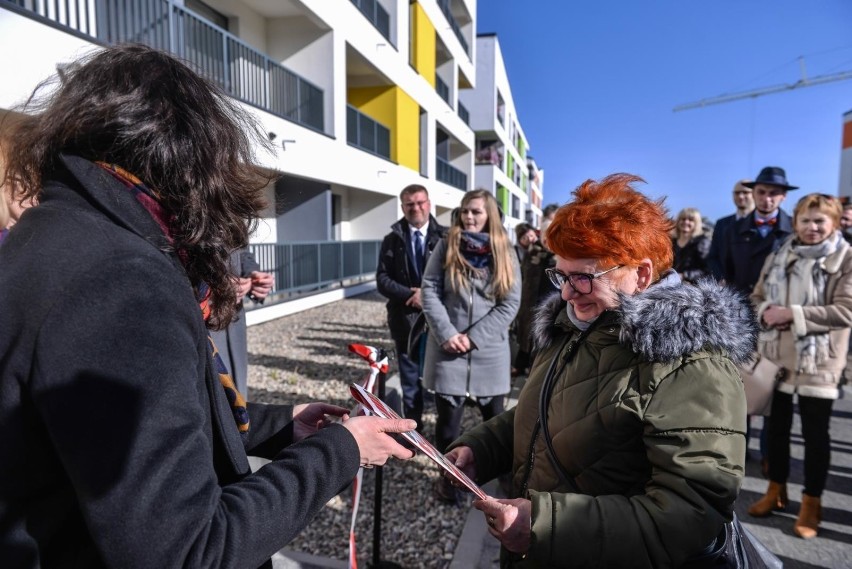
x: 312, y: 265
x: 448, y: 13
x: 451, y: 175
x: 366, y: 133
x: 241, y: 71
x: 464, y: 115
x: 377, y: 15
x: 443, y: 89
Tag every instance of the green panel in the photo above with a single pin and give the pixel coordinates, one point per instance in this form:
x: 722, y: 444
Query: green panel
x: 503, y: 198
x: 510, y: 166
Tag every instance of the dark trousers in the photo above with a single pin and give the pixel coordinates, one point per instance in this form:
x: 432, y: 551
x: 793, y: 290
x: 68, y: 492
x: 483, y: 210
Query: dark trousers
x: 816, y: 414
x: 412, y: 389
x: 448, y: 424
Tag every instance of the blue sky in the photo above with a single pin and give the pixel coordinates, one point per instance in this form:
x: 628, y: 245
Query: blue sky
x: 595, y: 82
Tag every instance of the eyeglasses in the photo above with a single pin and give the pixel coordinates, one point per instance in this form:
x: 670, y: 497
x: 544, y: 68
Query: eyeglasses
x: 580, y: 282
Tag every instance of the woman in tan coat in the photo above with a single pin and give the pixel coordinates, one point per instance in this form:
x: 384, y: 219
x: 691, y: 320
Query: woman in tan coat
x: 804, y: 305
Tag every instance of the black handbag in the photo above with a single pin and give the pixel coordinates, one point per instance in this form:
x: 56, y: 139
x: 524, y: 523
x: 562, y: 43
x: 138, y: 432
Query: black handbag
x: 417, y: 338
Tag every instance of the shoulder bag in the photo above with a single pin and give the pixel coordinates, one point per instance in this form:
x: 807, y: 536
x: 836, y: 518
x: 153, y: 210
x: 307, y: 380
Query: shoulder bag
x: 760, y: 376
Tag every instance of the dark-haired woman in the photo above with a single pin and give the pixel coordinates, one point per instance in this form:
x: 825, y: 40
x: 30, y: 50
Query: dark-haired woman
x: 804, y: 305
x: 123, y: 442
x: 627, y: 444
x: 471, y: 292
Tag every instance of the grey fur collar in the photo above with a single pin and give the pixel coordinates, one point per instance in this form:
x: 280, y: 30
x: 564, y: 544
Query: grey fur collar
x: 668, y: 321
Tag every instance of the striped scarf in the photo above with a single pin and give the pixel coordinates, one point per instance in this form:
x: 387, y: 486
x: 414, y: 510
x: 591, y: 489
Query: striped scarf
x: 149, y: 200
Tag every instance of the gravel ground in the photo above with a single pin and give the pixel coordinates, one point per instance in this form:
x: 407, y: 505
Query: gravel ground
x: 304, y: 357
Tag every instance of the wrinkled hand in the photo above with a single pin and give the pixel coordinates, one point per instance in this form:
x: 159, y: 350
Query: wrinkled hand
x: 374, y: 444
x: 508, y: 521
x: 308, y: 418
x: 778, y: 316
x: 457, y: 344
x: 462, y: 457
x: 415, y: 300
x: 261, y: 284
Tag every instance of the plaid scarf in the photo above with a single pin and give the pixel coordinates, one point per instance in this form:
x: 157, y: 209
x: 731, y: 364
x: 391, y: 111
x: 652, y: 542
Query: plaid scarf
x: 149, y: 200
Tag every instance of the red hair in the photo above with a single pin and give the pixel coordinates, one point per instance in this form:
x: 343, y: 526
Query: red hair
x: 610, y: 221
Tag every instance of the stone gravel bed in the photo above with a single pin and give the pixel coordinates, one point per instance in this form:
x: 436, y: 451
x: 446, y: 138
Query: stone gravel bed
x: 304, y: 357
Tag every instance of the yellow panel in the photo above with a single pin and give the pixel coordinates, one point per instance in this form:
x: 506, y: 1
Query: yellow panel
x: 423, y: 58
x: 407, y: 141
x: 396, y: 110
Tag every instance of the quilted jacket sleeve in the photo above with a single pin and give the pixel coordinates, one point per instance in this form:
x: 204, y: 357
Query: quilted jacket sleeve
x: 694, y: 427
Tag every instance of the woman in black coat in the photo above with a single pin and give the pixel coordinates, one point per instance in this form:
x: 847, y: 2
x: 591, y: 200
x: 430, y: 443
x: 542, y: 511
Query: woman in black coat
x: 691, y: 247
x: 123, y: 442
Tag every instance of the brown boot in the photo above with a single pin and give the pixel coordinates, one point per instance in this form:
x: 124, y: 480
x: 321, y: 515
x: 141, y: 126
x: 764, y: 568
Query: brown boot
x: 810, y: 515
x: 774, y: 499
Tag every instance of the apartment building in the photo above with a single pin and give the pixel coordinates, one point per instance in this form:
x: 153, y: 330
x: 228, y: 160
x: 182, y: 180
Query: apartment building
x: 501, y: 145
x: 535, y: 195
x: 360, y: 97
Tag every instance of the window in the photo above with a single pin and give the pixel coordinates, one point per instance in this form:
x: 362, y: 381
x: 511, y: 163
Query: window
x: 208, y: 13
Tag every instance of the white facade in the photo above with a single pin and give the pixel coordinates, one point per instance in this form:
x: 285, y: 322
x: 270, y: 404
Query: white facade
x: 501, y: 145
x: 330, y: 188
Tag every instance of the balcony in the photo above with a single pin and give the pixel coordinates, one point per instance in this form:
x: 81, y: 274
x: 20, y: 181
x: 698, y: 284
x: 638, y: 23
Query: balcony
x: 367, y: 134
x: 442, y: 89
x: 448, y: 13
x: 377, y: 15
x: 489, y: 155
x: 451, y: 175
x: 464, y: 115
x: 241, y: 71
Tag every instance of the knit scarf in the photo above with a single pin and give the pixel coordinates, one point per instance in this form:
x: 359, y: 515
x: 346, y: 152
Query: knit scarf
x: 797, y: 277
x: 149, y: 199
x: 475, y: 247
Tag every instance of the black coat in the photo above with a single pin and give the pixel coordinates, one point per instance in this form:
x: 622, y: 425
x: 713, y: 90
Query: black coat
x: 746, y: 250
x: 690, y: 261
x: 117, y: 443
x: 396, y: 274
x: 718, y: 244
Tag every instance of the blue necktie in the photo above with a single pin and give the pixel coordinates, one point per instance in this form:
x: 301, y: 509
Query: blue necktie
x: 418, y: 251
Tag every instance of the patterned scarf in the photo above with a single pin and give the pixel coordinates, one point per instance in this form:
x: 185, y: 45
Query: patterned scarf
x: 149, y: 200
x: 476, y: 248
x: 797, y: 277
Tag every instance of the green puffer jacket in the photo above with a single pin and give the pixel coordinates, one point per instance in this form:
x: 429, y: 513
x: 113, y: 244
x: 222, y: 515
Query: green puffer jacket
x: 647, y: 415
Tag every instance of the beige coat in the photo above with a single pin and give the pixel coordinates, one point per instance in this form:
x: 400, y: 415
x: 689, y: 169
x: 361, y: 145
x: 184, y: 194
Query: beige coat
x: 835, y: 317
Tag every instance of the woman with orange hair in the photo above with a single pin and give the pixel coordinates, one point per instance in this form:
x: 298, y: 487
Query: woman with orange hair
x: 627, y: 445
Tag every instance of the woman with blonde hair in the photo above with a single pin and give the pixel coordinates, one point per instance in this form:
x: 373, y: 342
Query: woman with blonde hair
x: 691, y: 247
x: 471, y: 293
x: 804, y: 306
x: 627, y: 445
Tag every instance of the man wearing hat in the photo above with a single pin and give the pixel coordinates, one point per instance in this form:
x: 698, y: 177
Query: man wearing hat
x: 744, y: 202
x: 751, y: 239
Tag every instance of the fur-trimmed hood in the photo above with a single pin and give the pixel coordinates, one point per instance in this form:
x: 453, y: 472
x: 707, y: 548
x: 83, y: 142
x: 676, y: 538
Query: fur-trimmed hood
x: 670, y: 320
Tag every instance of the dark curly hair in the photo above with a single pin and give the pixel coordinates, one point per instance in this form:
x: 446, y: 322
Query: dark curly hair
x: 149, y: 113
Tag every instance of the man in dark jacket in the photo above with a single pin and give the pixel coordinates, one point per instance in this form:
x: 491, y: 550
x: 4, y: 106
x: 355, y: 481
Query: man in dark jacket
x: 751, y: 239
x: 744, y: 201
x: 402, y: 259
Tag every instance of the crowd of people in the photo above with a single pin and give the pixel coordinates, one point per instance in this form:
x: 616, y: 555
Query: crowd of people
x: 124, y: 399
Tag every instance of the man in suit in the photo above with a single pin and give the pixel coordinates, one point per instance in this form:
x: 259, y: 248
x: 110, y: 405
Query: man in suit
x: 403, y: 256
x: 744, y: 202
x: 751, y: 239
